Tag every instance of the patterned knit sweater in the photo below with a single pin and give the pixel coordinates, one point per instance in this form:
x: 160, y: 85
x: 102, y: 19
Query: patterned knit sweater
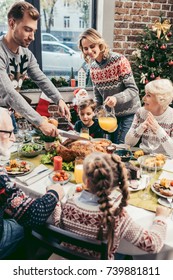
x: 14, y: 203
x: 113, y: 77
x: 164, y: 133
x: 81, y: 217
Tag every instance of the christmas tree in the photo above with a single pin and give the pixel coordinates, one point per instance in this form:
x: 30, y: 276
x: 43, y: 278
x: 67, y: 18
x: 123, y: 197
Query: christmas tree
x: 153, y: 58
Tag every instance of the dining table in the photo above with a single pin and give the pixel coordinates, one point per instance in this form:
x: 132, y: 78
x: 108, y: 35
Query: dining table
x: 142, y: 211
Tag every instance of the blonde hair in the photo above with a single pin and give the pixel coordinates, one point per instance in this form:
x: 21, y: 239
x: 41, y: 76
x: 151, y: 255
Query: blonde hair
x: 94, y: 37
x: 162, y: 89
x: 105, y: 172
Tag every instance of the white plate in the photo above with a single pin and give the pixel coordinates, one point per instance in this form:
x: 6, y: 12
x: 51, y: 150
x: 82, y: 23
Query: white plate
x: 159, y: 194
x: 164, y: 202
x: 137, y: 183
x: 20, y: 173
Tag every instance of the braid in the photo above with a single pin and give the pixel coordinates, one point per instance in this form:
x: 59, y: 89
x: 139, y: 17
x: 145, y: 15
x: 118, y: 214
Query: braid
x: 104, y: 172
x: 101, y: 180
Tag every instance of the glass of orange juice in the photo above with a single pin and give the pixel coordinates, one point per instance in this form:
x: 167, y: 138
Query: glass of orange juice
x: 84, y: 132
x: 78, y: 169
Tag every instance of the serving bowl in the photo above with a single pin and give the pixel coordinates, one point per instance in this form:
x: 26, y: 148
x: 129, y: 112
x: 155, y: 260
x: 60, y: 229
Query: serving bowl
x: 125, y: 155
x: 30, y: 150
x: 60, y: 176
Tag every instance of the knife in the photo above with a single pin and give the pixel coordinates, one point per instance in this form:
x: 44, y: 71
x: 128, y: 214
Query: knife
x: 71, y: 135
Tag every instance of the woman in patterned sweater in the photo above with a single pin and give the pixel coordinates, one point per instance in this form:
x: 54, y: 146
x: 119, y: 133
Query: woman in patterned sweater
x: 94, y: 214
x: 155, y: 117
x: 19, y: 209
x: 113, y: 81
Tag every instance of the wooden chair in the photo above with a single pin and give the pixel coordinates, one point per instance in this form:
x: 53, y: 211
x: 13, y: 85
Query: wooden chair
x: 51, y: 238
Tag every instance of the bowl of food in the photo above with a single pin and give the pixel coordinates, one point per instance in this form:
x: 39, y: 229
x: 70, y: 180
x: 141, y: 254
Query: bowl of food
x: 125, y: 155
x: 30, y: 150
x: 60, y: 176
x: 152, y: 161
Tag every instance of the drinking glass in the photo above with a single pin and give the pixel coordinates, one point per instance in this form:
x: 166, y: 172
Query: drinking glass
x: 153, y: 142
x: 19, y: 141
x: 146, y: 175
x: 78, y: 170
x: 84, y: 132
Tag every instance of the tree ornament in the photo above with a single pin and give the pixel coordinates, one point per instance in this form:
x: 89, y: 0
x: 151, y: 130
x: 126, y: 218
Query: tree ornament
x: 152, y: 59
x: 146, y: 47
x: 152, y: 76
x: 161, y: 27
x: 163, y: 47
x: 169, y: 34
x: 170, y: 62
x: 143, y: 78
x: 140, y: 66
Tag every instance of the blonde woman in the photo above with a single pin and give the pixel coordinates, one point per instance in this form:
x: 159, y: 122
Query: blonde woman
x: 112, y: 79
x: 96, y: 215
x: 154, y: 118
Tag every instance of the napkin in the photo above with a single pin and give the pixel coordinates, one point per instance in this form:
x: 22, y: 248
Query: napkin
x: 37, y: 174
x: 168, y: 165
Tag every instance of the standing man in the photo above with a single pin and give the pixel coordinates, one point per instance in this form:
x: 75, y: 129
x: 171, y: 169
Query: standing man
x: 17, y: 61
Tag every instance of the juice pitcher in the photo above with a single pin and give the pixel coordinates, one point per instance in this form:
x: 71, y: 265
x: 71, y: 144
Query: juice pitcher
x: 107, y: 120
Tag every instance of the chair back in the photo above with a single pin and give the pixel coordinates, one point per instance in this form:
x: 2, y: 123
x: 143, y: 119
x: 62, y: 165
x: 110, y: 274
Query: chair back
x: 53, y: 238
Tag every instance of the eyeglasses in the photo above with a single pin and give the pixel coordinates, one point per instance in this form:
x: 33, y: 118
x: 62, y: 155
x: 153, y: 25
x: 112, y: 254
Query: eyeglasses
x: 9, y: 132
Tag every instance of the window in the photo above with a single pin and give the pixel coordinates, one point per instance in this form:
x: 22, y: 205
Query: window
x: 62, y: 21
x: 81, y: 23
x: 66, y: 3
x: 66, y: 22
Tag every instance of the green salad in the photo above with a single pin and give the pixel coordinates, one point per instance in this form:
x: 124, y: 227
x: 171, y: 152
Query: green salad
x: 29, y: 148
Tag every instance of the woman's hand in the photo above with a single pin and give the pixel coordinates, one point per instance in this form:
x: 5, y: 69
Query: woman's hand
x: 152, y: 123
x: 58, y: 188
x: 110, y: 101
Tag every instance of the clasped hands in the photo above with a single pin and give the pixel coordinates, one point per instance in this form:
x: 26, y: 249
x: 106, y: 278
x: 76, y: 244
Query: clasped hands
x: 150, y: 123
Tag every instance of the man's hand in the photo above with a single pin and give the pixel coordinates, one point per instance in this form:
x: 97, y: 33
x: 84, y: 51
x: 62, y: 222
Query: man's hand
x: 57, y: 188
x: 64, y: 110
x: 48, y: 129
x: 110, y: 101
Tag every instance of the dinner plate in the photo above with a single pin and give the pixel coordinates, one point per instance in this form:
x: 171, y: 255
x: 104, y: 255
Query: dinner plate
x: 16, y: 170
x: 164, y: 202
x: 159, y: 194
x: 136, y: 186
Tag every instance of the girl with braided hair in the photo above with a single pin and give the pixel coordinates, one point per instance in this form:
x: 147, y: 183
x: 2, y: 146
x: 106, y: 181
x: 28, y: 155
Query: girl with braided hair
x: 96, y: 214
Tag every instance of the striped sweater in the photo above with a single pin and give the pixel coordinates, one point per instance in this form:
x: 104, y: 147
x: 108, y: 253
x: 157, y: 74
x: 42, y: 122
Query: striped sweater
x: 113, y: 77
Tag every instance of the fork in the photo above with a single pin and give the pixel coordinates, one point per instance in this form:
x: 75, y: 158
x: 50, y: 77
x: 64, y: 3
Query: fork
x: 171, y: 206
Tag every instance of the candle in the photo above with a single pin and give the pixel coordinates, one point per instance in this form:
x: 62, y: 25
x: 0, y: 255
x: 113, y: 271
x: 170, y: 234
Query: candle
x: 57, y: 163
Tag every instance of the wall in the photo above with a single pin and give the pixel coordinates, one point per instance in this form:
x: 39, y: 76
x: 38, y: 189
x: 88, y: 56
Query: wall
x: 131, y: 17
x: 120, y: 22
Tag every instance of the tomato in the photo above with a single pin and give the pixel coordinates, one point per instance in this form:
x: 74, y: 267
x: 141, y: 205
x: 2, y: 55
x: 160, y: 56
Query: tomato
x: 55, y: 178
x: 171, y: 183
x: 79, y: 189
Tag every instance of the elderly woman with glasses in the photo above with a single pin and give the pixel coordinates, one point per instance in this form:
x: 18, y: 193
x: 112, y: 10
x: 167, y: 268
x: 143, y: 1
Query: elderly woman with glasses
x: 155, y: 117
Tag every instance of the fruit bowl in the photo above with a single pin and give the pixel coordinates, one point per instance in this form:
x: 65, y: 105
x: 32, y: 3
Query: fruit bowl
x: 60, y: 176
